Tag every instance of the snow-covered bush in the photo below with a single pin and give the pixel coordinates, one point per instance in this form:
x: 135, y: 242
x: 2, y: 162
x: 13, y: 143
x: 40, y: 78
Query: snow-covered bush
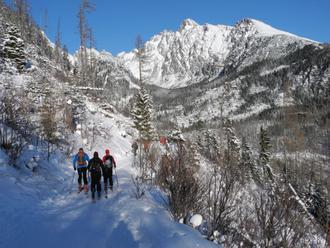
x: 139, y: 188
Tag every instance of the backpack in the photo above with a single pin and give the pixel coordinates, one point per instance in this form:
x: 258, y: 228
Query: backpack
x: 95, y: 166
x: 81, y: 160
x: 108, y: 162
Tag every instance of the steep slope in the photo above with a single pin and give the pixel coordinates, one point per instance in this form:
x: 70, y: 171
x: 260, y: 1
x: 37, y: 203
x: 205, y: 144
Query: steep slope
x: 300, y: 79
x: 197, y: 52
x: 174, y: 58
x: 253, y: 41
x: 107, y: 68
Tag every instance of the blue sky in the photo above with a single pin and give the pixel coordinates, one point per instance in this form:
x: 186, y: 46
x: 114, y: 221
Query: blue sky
x: 117, y: 23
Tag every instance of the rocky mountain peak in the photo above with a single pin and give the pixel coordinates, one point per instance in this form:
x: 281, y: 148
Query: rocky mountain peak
x: 187, y: 24
x: 200, y: 52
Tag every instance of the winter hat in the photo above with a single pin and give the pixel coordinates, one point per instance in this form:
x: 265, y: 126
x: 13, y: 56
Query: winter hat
x: 96, y: 155
x: 107, y: 151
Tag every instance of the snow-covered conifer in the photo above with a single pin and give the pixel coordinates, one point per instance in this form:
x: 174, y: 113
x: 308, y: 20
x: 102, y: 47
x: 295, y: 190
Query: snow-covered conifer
x: 233, y: 144
x: 176, y: 136
x: 264, y: 155
x: 142, y: 115
x: 13, y: 47
x: 211, y: 145
x: 247, y: 163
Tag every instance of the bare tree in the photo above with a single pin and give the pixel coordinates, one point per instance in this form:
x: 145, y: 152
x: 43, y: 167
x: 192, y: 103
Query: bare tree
x: 221, y: 203
x: 58, y: 45
x: 278, y: 220
x: 45, y: 20
x: 22, y: 9
x: 48, y: 120
x: 139, y: 45
x: 84, y: 31
x: 13, y: 123
x: 184, y: 192
x: 139, y: 188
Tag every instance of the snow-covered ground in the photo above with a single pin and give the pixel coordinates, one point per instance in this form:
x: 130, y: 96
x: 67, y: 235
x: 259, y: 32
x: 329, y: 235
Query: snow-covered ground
x: 38, y: 210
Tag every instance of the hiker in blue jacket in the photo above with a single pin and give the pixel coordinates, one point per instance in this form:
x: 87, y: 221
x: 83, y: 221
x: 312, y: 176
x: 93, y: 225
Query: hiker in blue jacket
x: 80, y: 162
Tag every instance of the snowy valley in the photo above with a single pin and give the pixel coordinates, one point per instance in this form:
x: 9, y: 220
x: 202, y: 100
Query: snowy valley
x: 230, y: 124
x: 42, y: 208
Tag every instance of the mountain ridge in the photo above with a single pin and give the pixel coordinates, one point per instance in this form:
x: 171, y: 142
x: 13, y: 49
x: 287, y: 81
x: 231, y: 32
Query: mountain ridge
x: 193, y: 53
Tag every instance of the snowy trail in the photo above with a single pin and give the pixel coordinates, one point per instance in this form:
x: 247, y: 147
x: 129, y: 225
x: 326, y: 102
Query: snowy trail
x: 32, y: 218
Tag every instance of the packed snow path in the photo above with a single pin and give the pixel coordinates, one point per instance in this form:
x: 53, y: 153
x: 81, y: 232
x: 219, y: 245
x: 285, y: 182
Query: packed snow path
x: 38, y: 211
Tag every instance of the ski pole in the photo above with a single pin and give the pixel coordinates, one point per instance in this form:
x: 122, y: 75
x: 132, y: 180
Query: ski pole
x: 116, y: 177
x: 74, y: 173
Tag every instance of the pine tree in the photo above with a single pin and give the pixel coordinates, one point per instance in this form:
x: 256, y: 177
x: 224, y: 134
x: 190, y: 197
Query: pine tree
x: 13, y: 47
x: 175, y: 136
x: 233, y: 145
x: 142, y: 115
x: 2, y: 62
x: 247, y: 165
x: 194, y: 158
x: 2, y: 56
x: 264, y: 155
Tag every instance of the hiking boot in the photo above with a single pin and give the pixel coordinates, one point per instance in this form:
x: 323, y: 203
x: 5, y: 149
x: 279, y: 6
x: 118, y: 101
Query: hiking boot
x: 80, y: 188
x: 86, y: 188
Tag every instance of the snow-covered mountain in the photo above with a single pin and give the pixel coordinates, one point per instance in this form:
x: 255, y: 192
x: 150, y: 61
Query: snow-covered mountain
x: 251, y: 58
x: 250, y: 73
x: 253, y: 41
x: 197, y: 52
x: 172, y: 59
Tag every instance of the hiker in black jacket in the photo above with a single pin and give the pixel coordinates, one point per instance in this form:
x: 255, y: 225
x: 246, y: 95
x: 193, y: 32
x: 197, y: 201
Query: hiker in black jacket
x: 108, y: 162
x: 95, y: 167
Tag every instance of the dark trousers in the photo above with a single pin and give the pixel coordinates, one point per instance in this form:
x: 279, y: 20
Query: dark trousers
x: 107, y: 176
x: 82, y: 172
x: 96, y: 182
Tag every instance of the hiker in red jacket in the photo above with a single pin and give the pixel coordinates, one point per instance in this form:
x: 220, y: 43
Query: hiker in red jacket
x: 108, y: 162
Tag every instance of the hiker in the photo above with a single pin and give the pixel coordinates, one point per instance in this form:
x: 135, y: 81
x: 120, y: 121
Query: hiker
x: 80, y: 161
x: 108, y: 162
x: 95, y: 167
